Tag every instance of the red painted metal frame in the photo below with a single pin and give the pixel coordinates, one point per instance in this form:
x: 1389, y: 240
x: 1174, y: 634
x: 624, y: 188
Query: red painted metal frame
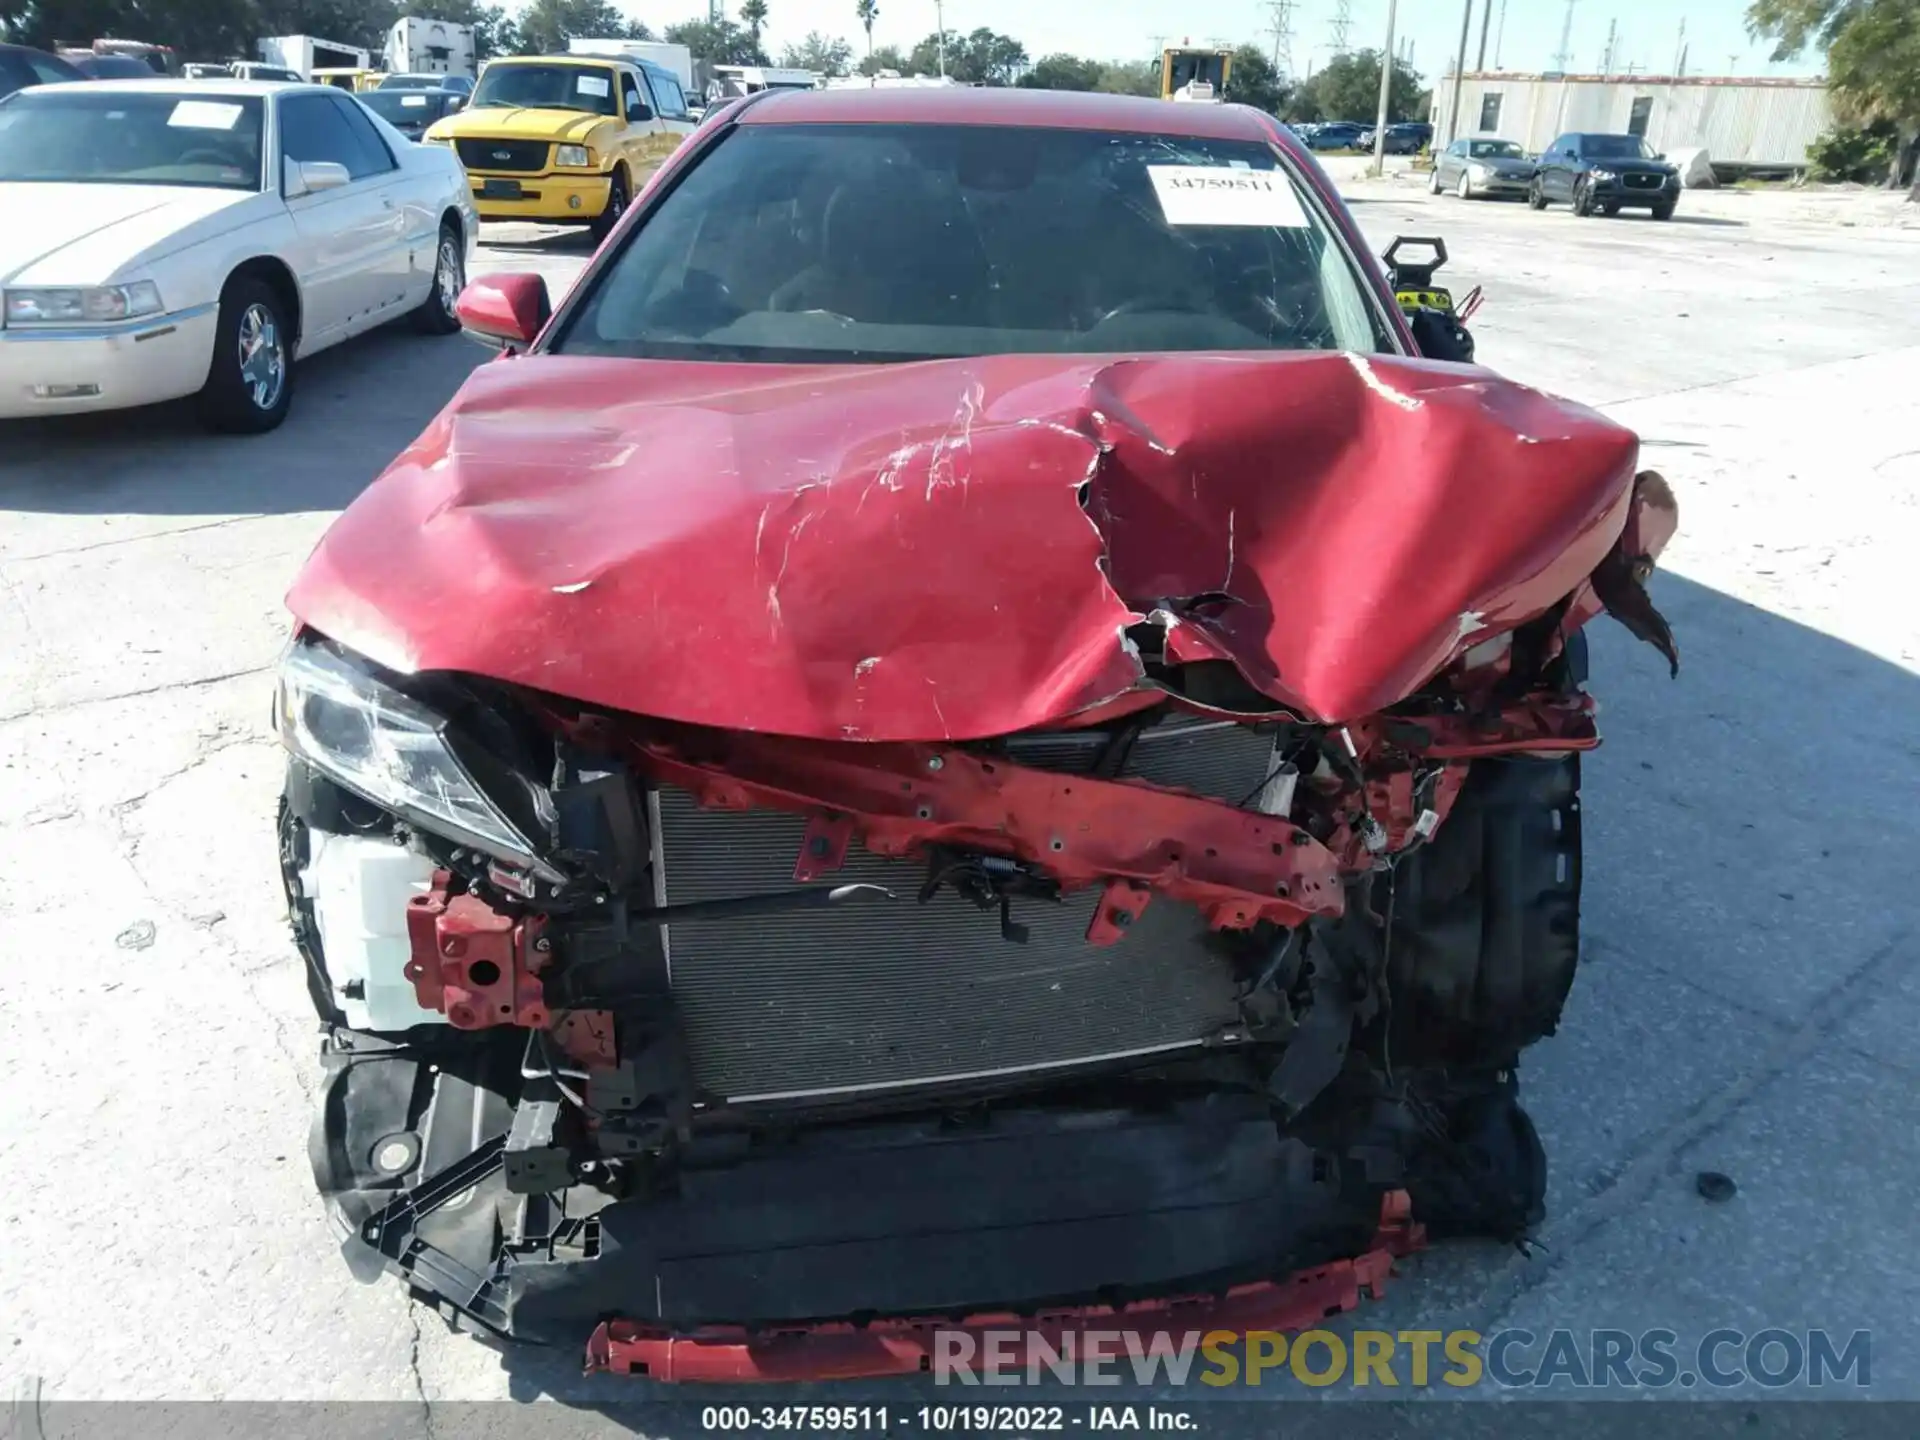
x: 841, y: 1351
x: 477, y: 966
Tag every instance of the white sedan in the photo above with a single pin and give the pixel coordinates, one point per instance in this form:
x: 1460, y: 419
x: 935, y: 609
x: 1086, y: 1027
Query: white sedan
x: 170, y: 238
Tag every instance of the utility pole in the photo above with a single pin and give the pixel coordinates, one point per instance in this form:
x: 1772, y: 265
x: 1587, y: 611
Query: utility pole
x: 716, y: 11
x: 1565, y: 58
x: 1486, y: 17
x: 1343, y: 25
x: 1386, y: 92
x: 1680, y: 50
x: 1500, y: 35
x: 1459, y: 73
x: 1606, y: 58
x: 940, y: 19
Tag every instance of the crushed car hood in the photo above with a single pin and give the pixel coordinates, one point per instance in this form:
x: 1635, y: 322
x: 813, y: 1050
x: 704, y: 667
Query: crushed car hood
x: 957, y: 549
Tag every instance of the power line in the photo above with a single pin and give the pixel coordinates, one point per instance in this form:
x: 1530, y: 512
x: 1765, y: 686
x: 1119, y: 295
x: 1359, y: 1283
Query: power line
x: 1342, y: 25
x: 1281, y: 25
x: 1564, y: 59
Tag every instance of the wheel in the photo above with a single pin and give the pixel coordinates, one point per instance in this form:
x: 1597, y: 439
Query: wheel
x: 1582, y: 198
x: 1465, y: 188
x: 1663, y: 212
x: 617, y: 197
x: 1433, y: 181
x: 435, y: 314
x: 1610, y: 208
x: 1536, y: 197
x: 250, y: 383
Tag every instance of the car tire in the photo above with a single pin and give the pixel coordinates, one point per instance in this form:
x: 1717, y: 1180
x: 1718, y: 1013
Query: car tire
x: 1465, y: 188
x: 1433, y: 181
x: 436, y: 314
x: 1536, y: 196
x: 1663, y: 212
x: 1609, y: 209
x: 618, y: 195
x: 250, y: 381
x: 1582, y: 198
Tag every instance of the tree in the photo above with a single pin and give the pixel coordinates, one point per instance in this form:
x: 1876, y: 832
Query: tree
x: 982, y: 58
x: 822, y: 54
x: 867, y: 10
x: 753, y: 15
x: 1130, y: 77
x: 718, y: 42
x: 1873, y: 60
x: 1063, y: 72
x: 547, y: 25
x: 1349, y: 89
x: 1252, y: 80
x: 887, y: 57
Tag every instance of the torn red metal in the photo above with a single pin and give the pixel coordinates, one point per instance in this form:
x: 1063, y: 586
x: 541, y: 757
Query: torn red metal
x: 475, y: 965
x: 955, y: 549
x: 843, y: 1351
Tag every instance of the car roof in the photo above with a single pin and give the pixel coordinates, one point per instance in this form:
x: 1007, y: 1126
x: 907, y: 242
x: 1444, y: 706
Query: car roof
x: 190, y: 89
x: 1000, y: 105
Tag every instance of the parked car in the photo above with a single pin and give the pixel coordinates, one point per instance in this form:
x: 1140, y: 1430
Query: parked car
x: 869, y: 768
x: 1408, y: 137
x: 1470, y: 168
x: 1605, y: 174
x: 109, y: 67
x: 21, y: 66
x: 196, y: 237
x: 205, y: 70
x: 565, y: 139
x: 259, y: 70
x: 412, y: 112
x: 1337, y: 135
x: 457, y: 84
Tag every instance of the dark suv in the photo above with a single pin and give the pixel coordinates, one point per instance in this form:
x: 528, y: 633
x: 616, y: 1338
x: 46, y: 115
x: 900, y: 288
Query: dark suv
x: 21, y: 67
x: 1605, y: 174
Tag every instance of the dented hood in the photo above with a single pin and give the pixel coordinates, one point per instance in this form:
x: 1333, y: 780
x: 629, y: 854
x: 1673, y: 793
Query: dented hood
x: 956, y: 549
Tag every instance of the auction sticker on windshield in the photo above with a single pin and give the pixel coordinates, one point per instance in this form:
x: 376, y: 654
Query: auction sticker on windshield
x: 593, y: 85
x: 204, y: 115
x: 1212, y: 195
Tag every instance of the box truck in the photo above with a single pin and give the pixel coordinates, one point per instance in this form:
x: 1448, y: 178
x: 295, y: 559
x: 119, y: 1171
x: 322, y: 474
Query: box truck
x: 428, y: 47
x: 303, y: 54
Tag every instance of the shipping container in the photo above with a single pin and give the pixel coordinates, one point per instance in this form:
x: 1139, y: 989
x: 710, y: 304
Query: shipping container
x: 1742, y: 123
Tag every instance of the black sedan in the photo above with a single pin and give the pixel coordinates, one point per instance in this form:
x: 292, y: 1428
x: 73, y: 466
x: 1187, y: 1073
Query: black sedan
x: 1605, y: 174
x: 411, y: 111
x: 21, y: 66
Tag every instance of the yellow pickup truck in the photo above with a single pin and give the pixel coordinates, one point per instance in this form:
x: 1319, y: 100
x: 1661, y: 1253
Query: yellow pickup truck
x: 565, y: 139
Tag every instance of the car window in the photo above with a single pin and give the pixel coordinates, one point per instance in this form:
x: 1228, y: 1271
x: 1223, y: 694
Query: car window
x: 630, y: 99
x: 672, y: 100
x: 1615, y: 147
x: 874, y: 243
x: 314, y: 128
x: 1497, y: 150
x: 589, y: 88
x: 47, y: 71
x: 378, y: 160
x: 105, y: 135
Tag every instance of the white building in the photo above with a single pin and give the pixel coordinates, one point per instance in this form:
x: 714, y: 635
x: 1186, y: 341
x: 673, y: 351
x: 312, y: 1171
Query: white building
x: 1753, y: 123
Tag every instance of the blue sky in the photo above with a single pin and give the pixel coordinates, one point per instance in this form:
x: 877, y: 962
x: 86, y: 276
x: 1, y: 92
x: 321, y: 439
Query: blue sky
x: 1649, y: 29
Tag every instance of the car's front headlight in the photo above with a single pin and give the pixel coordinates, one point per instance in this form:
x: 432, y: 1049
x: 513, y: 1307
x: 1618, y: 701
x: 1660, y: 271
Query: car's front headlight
x: 577, y: 157
x: 90, y: 305
x: 1478, y: 171
x: 389, y: 748
x: 1602, y: 175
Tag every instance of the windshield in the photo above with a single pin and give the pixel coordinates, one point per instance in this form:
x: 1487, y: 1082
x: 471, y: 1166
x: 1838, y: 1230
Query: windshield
x: 1616, y: 147
x: 403, y: 107
x: 552, y: 87
x: 1495, y: 150
x: 107, y: 136
x: 410, y: 82
x: 869, y: 243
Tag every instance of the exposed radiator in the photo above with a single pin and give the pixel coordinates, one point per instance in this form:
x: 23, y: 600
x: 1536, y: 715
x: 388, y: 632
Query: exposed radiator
x: 875, y: 995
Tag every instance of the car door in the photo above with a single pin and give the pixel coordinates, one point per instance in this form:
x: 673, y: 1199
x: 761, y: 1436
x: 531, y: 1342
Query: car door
x: 413, y: 217
x: 672, y: 121
x: 1450, y: 162
x: 344, y: 235
x: 1556, y: 176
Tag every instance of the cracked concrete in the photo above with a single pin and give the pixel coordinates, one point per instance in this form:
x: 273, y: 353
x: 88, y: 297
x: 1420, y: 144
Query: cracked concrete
x: 1749, y: 992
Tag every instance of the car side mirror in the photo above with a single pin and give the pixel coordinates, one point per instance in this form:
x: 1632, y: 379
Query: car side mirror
x: 639, y: 110
x: 310, y: 177
x: 508, y: 310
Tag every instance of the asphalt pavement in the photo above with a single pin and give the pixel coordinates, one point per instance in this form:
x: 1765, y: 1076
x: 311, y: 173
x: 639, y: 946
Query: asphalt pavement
x: 1751, y: 982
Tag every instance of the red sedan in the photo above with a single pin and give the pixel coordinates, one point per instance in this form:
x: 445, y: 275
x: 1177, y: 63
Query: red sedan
x: 965, y: 727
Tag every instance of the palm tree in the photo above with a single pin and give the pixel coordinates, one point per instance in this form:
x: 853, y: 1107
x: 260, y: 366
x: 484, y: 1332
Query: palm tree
x: 753, y: 14
x: 868, y: 11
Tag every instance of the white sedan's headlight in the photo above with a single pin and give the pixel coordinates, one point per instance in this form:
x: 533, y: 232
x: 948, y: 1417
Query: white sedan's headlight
x: 97, y: 304
x: 1477, y: 170
x: 396, y: 752
x: 574, y: 156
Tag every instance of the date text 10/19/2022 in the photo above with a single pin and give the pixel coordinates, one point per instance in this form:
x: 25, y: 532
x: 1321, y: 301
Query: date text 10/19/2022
x: 947, y: 1419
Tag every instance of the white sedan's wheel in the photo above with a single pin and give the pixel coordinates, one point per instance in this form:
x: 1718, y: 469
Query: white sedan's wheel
x: 1465, y: 188
x: 435, y: 315
x: 1433, y: 181
x: 250, y: 382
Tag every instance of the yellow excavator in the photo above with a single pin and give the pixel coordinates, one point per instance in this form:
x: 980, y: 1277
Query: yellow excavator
x: 1194, y: 75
